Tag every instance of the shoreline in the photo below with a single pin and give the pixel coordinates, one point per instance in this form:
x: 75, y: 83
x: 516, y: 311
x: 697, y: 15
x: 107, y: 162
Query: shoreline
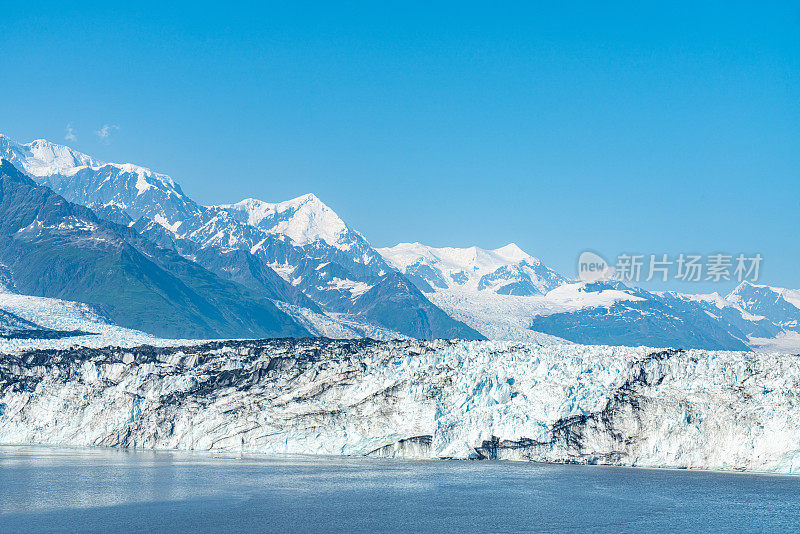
x: 220, y: 454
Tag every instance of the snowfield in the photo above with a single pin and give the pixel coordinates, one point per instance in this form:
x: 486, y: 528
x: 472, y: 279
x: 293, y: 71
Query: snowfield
x: 484, y: 399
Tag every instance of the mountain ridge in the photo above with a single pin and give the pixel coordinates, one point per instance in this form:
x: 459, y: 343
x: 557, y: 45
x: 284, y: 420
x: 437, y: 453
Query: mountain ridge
x: 298, y: 251
x: 506, y: 270
x: 55, y: 248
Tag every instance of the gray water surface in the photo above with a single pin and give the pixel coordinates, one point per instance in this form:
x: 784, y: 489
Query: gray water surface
x: 102, y: 490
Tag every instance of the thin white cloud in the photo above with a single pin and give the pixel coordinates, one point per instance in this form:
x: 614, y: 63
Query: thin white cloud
x: 70, y: 135
x: 105, y: 132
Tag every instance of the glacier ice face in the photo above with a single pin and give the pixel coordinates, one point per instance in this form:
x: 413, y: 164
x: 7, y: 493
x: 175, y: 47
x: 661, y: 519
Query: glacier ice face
x: 522, y: 401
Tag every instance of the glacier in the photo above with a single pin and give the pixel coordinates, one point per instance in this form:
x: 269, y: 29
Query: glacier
x: 544, y: 402
x: 64, y: 315
x: 92, y: 330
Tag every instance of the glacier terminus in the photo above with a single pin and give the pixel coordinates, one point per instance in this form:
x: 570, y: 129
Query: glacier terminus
x: 560, y: 403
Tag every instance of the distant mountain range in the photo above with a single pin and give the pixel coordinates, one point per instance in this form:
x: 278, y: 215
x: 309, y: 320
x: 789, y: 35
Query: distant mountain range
x: 507, y: 294
x: 130, y: 243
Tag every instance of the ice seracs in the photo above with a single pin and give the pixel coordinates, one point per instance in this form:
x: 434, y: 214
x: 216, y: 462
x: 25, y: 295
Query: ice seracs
x: 481, y: 400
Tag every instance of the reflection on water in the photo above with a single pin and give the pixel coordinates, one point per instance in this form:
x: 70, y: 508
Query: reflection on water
x: 103, y: 489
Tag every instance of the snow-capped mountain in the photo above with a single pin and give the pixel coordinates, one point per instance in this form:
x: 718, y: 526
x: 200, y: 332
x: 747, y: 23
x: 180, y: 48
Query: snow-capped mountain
x: 482, y: 399
x: 778, y: 305
x: 508, y: 294
x: 302, y: 254
x: 42, y: 158
x: 304, y: 241
x: 304, y: 220
x: 118, y: 192
x: 299, y: 251
x: 505, y: 271
x: 316, y: 254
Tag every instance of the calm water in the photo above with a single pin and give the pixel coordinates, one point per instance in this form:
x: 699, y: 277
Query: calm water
x: 43, y: 489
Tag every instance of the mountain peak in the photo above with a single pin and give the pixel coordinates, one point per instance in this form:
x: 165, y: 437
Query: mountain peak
x: 307, y: 198
x: 743, y: 287
x: 134, y: 190
x: 41, y: 157
x: 304, y: 219
x: 467, y: 258
x: 512, y: 252
x: 307, y: 219
x: 507, y: 270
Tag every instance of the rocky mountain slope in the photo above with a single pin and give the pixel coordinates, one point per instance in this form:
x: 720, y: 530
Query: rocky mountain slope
x: 54, y: 248
x: 299, y: 251
x: 554, y: 403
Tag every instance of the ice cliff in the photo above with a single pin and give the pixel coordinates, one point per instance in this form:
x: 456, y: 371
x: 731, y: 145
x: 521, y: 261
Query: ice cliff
x: 503, y: 400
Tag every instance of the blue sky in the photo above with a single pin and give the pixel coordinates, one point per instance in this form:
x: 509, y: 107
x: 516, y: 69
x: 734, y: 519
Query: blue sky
x: 561, y: 127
